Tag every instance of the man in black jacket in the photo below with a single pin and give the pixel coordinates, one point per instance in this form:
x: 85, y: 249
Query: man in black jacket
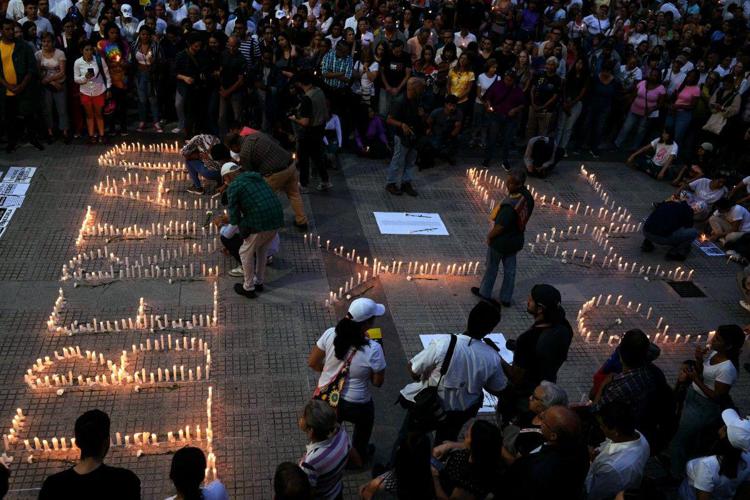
x: 670, y: 224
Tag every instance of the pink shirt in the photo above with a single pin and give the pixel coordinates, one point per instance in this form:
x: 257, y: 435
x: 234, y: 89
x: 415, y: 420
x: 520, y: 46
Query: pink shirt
x: 647, y: 100
x: 685, y: 98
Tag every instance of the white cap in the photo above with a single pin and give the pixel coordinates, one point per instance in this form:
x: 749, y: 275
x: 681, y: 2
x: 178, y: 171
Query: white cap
x: 126, y: 10
x: 280, y: 14
x: 364, y: 309
x: 228, y: 168
x: 738, y: 429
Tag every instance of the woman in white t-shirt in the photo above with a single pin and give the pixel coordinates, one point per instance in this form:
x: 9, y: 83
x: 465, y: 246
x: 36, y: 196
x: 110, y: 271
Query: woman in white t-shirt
x: 484, y: 82
x: 349, y: 343
x: 718, y: 476
x: 713, y: 376
x: 665, y: 151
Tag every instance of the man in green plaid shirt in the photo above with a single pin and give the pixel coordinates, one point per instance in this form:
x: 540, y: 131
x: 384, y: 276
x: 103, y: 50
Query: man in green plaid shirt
x: 256, y: 210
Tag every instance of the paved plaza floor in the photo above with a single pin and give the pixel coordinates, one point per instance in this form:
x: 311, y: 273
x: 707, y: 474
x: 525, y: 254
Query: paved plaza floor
x: 256, y: 351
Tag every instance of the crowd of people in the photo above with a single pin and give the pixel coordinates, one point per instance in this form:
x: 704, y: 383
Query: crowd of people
x: 267, y: 95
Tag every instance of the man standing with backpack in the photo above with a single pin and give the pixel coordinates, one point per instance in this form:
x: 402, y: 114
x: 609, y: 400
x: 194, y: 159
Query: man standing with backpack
x: 450, y: 375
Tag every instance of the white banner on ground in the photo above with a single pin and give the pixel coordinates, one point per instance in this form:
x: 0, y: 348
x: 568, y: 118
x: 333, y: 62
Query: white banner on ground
x: 20, y: 174
x: 411, y: 223
x: 490, y: 401
x: 13, y: 189
x: 11, y: 201
x: 5, y: 216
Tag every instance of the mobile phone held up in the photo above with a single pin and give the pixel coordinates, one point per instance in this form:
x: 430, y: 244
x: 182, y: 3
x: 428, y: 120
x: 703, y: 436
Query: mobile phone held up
x: 439, y: 466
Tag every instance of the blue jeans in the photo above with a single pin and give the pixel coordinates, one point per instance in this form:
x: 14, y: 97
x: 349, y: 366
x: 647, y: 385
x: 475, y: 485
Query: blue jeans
x: 500, y: 127
x: 680, y: 123
x: 196, y: 169
x: 596, y: 120
x: 679, y: 241
x: 402, y: 164
x: 490, y: 275
x: 146, y: 95
x: 698, y: 414
x: 641, y: 124
x: 566, y: 124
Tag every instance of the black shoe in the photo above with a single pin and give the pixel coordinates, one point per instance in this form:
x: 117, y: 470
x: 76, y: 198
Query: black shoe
x: 240, y: 290
x: 675, y: 256
x: 259, y: 287
x: 37, y: 144
x: 647, y: 246
x: 393, y: 189
x: 475, y: 291
x: 301, y: 227
x: 407, y: 188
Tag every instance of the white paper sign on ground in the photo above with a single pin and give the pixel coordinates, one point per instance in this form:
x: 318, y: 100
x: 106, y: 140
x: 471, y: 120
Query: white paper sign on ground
x: 412, y: 223
x: 5, y: 216
x: 490, y: 401
x: 20, y: 174
x: 13, y: 189
x: 11, y: 201
x: 709, y: 248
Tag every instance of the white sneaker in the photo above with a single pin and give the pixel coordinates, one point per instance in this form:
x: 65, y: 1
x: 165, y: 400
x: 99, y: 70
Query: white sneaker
x: 236, y: 272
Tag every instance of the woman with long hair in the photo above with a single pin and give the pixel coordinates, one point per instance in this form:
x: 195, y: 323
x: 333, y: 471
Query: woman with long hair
x: 69, y: 42
x: 114, y: 52
x: 92, y: 77
x: 29, y: 35
x: 522, y: 68
x: 575, y: 87
x: 715, y: 372
x: 411, y: 476
x: 325, y: 20
x: 461, y: 80
x: 647, y: 100
x: 146, y: 55
x: 347, y: 349
x: 187, y: 472
x: 285, y: 57
x: 681, y: 107
x: 367, y: 70
x: 52, y: 65
x: 605, y: 88
x: 287, y: 7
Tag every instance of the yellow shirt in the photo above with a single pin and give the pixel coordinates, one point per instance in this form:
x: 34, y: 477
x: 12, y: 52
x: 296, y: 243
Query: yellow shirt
x: 9, y: 71
x: 461, y: 82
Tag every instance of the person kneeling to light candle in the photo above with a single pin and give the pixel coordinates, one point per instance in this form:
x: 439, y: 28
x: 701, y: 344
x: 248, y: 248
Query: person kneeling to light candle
x: 670, y: 224
x: 232, y: 241
x: 187, y: 473
x: 200, y: 161
x: 256, y: 210
x: 347, y: 352
x: 91, y: 478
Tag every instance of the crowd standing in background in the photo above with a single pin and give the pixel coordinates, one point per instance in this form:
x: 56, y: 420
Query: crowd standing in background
x: 268, y: 94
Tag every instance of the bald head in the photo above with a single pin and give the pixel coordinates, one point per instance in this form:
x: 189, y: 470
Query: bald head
x: 560, y: 425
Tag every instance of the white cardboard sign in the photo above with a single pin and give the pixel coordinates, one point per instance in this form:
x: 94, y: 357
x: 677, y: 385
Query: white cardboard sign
x: 411, y: 223
x: 20, y: 174
x: 13, y: 189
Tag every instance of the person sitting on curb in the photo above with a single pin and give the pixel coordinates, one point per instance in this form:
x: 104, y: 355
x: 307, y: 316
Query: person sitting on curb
x: 671, y: 225
x: 729, y: 223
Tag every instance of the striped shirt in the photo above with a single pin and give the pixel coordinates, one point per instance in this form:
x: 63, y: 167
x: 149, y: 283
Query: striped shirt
x: 324, y: 465
x: 333, y: 64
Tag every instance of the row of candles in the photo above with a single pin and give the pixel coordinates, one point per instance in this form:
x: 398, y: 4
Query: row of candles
x: 164, y: 255
x: 137, y: 271
x: 178, y: 204
x: 136, y: 178
x: 86, y: 225
x: 661, y: 334
x: 144, y: 440
x: 170, y: 228
x: 597, y: 186
x: 139, y: 147
x: 119, y: 375
x: 142, y: 320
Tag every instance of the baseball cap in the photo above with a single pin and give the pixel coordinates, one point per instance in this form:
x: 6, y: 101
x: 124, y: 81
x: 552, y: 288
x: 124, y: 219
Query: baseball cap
x: 738, y: 429
x: 228, y: 168
x: 280, y: 14
x: 364, y: 309
x: 707, y: 146
x: 126, y: 10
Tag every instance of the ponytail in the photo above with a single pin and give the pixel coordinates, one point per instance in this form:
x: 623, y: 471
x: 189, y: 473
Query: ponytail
x: 348, y: 334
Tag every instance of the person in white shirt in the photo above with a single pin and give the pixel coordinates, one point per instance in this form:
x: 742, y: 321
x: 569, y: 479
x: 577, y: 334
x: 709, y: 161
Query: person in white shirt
x: 15, y: 10
x: 721, y: 475
x: 712, y: 378
x: 92, y: 76
x: 639, y: 35
x: 597, y: 23
x: 668, y: 6
x: 737, y: 191
x: 127, y: 23
x: 176, y: 12
x: 701, y: 194
x: 161, y: 24
x: 473, y: 366
x: 463, y: 38
x: 346, y: 356
x: 32, y: 14
x: 665, y: 151
x: 730, y: 222
x: 673, y: 76
x: 188, y: 469
x: 621, y: 458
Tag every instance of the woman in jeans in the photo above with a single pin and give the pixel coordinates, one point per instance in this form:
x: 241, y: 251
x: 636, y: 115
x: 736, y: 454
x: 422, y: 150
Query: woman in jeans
x: 146, y: 56
x: 714, y: 375
x: 69, y: 42
x: 681, y: 109
x: 114, y: 52
x: 649, y: 98
x: 348, y: 344
x: 52, y: 69
x: 604, y: 90
x: 574, y: 90
x: 92, y: 76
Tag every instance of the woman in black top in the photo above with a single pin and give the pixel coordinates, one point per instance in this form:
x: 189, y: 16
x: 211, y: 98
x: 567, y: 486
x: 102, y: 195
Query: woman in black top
x: 574, y: 91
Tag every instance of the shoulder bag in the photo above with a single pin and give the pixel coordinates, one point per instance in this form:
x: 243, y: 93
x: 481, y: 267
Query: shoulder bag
x: 331, y: 392
x: 427, y: 411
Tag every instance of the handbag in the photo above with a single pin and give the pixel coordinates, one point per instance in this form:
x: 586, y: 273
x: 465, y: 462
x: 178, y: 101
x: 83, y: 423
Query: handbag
x: 331, y: 392
x: 427, y: 411
x: 715, y: 123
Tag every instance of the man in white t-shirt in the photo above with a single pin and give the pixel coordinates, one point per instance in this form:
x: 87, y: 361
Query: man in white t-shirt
x: 366, y: 365
x: 473, y: 366
x: 730, y: 221
x: 701, y: 194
